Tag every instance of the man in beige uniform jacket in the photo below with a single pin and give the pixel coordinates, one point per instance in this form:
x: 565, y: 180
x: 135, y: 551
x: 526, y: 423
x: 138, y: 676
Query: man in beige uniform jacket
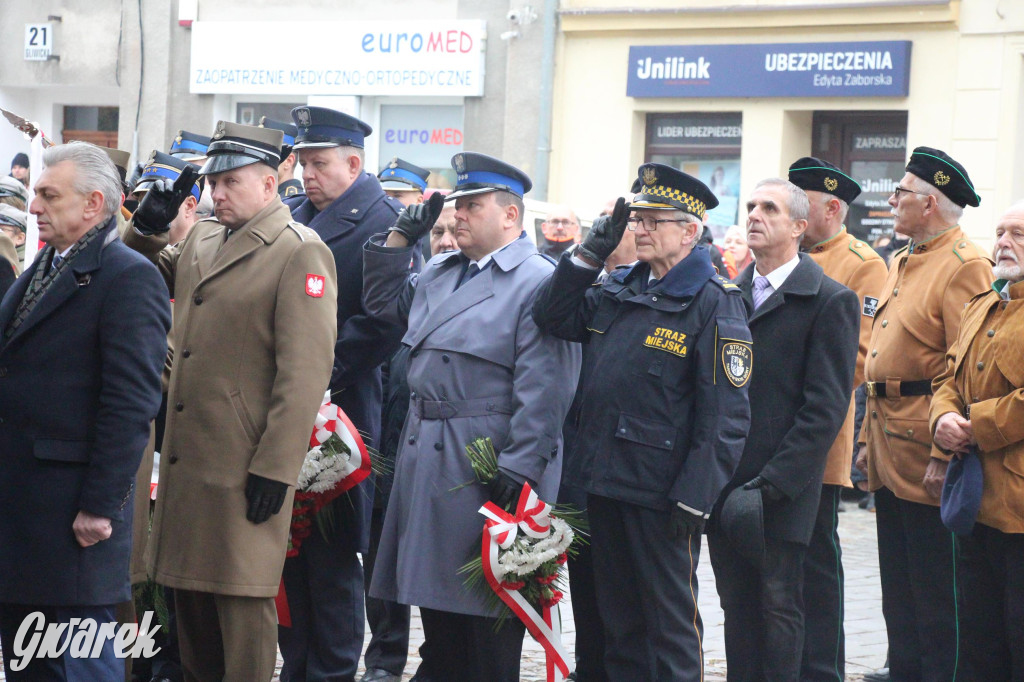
x: 255, y: 304
x: 917, y: 320
x: 979, y: 407
x: 855, y: 265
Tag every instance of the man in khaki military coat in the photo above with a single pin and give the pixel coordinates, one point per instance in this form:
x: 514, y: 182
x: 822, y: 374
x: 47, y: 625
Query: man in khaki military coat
x: 979, y: 405
x: 917, y: 320
x: 855, y: 265
x: 255, y: 303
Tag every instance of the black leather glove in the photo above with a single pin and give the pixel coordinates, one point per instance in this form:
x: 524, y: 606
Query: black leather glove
x: 160, y: 206
x: 416, y: 220
x: 767, y: 488
x: 605, y: 233
x: 685, y: 523
x: 504, y: 490
x: 265, y: 497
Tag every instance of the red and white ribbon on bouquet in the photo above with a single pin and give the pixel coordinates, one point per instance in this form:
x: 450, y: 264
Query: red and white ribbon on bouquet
x: 330, y: 419
x: 532, y: 517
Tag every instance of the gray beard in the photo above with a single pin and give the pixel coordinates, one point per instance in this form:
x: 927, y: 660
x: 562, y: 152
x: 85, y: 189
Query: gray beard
x: 1011, y: 273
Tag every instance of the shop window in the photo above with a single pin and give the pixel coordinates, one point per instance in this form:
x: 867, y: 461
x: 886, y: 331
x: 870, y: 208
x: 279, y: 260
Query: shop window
x: 427, y: 135
x: 97, y: 125
x: 871, y: 147
x: 706, y: 146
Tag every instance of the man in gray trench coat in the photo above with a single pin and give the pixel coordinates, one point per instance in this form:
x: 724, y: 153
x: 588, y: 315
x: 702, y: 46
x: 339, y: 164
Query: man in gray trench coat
x: 479, y: 367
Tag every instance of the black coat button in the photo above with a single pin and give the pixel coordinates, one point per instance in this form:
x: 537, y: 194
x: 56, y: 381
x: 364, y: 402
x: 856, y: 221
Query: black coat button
x: 445, y: 359
x: 412, y: 440
x: 438, y: 447
x: 179, y: 407
x: 991, y: 333
x: 198, y: 300
x: 186, y: 353
x: 3, y: 371
x: 173, y: 459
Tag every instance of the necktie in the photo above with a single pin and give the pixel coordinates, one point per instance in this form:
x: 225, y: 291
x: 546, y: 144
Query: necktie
x: 472, y: 271
x: 57, y: 260
x: 761, y: 293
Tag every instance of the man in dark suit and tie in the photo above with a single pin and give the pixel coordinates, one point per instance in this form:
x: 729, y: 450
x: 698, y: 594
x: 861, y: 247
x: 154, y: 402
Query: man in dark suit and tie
x: 83, y: 336
x: 805, y: 331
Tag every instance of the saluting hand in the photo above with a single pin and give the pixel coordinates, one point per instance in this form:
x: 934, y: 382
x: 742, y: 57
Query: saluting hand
x: 605, y: 234
x: 160, y: 206
x: 416, y: 221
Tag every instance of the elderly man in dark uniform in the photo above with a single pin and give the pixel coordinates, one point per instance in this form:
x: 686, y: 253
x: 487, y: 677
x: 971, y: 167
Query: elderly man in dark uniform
x: 978, y: 412
x: 917, y: 320
x: 805, y: 331
x: 855, y: 265
x: 83, y: 342
x: 479, y: 367
x: 344, y: 205
x: 662, y: 418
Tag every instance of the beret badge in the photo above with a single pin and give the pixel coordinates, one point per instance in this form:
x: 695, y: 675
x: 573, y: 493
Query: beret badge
x: 941, y: 179
x: 831, y: 184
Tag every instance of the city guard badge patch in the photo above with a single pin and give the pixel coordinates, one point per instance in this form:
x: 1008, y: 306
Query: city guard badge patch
x: 314, y: 285
x: 667, y: 340
x: 870, y: 306
x: 737, y: 361
x: 650, y: 176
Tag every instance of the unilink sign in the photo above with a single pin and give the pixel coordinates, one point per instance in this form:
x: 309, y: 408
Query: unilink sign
x: 859, y: 69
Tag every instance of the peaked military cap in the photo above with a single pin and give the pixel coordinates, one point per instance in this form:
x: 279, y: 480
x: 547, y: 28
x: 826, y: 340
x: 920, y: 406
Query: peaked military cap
x: 12, y: 216
x: 287, y: 129
x: 163, y: 166
x: 189, y: 146
x: 235, y: 145
x: 662, y: 187
x: 940, y: 170
x: 818, y: 175
x: 12, y: 187
x: 402, y: 176
x: 322, y: 127
x: 478, y: 173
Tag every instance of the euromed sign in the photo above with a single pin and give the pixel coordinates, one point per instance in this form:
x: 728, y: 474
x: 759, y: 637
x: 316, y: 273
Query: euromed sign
x: 861, y: 69
x: 339, y: 58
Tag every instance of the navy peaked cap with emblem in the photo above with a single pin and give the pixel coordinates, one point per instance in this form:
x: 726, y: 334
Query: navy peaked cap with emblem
x: 322, y: 127
x: 662, y: 187
x: 943, y: 172
x: 287, y: 130
x: 235, y: 145
x: 818, y: 175
x: 164, y: 166
x: 400, y: 175
x: 189, y: 146
x: 12, y: 216
x: 476, y: 173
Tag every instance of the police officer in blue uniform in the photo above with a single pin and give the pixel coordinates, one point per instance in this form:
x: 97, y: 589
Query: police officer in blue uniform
x: 663, y: 416
x: 404, y: 181
x: 344, y: 205
x: 287, y: 184
x: 189, y: 146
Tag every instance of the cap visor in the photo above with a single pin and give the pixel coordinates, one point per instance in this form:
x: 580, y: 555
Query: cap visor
x: 225, y: 162
x: 315, y: 145
x: 397, y: 186
x: 466, y: 192
x: 651, y: 206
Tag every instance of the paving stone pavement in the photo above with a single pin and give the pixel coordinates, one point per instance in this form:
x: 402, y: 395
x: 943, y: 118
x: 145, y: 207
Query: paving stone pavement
x: 865, y: 629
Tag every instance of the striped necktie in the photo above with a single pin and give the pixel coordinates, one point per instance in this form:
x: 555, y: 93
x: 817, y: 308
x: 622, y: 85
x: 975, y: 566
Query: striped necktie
x: 761, y: 290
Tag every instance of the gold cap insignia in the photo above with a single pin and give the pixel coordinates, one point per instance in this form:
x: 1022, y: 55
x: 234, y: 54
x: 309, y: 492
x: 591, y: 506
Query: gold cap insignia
x: 220, y: 132
x: 649, y: 176
x: 831, y: 184
x: 941, y: 179
x: 177, y: 140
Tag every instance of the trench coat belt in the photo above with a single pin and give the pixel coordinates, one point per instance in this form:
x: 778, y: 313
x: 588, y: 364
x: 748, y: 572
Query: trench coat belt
x: 877, y: 389
x: 449, y: 409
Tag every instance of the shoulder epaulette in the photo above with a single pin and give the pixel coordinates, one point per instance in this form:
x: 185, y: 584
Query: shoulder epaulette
x: 302, y: 231
x: 725, y: 284
x: 967, y: 250
x: 863, y: 251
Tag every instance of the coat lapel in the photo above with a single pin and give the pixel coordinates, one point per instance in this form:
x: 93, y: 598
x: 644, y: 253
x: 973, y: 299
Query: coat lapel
x: 264, y: 228
x: 803, y: 281
x: 443, y: 304
x: 206, y: 251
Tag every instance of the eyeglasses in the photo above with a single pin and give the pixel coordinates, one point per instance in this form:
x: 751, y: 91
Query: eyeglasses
x: 560, y: 221
x: 896, y: 192
x: 650, y: 224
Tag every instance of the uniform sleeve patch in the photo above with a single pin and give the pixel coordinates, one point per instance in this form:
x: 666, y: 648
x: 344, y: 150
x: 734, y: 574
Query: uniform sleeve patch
x: 870, y: 306
x: 314, y: 285
x: 737, y: 361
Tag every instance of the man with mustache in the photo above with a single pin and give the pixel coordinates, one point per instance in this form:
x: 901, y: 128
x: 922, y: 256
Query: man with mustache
x: 916, y: 321
x: 978, y: 411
